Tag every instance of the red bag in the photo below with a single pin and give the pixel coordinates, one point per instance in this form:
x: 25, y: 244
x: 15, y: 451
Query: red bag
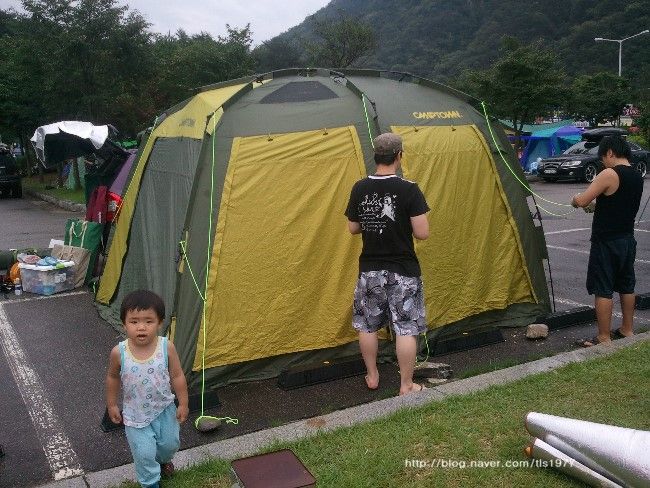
x: 97, y: 207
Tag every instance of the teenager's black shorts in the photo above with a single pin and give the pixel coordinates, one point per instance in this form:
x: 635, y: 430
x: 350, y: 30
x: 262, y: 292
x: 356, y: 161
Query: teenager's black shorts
x: 611, y: 266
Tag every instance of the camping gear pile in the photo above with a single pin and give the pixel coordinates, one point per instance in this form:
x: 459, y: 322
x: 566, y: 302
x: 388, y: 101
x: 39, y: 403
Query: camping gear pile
x: 65, y: 265
x: 80, y: 252
x: 234, y: 215
x: 105, y: 169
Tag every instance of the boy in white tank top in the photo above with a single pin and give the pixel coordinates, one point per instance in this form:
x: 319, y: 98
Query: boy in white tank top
x: 147, y: 369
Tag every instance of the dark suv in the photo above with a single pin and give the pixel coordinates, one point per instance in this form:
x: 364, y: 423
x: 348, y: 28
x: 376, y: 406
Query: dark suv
x: 9, y: 173
x: 581, y: 161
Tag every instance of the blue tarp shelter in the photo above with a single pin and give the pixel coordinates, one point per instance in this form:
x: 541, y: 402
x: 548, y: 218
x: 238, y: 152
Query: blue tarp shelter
x: 549, y: 142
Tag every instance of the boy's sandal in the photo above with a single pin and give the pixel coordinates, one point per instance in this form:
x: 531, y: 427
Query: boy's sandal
x: 167, y: 470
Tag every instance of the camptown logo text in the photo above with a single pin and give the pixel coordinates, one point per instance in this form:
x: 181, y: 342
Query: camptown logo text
x: 449, y: 114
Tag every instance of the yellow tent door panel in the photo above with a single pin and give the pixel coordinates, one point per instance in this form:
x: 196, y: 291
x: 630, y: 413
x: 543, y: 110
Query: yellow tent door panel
x: 473, y: 260
x: 283, y: 265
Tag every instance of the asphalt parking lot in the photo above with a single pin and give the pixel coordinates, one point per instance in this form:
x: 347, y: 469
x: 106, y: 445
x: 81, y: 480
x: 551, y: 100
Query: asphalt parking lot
x: 54, y: 352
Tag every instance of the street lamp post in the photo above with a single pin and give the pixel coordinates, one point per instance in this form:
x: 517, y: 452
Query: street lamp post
x: 620, y: 45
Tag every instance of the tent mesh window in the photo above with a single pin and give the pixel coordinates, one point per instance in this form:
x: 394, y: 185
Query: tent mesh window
x: 299, y: 91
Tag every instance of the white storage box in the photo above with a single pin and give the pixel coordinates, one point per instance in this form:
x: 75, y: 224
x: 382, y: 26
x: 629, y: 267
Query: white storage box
x: 47, y: 280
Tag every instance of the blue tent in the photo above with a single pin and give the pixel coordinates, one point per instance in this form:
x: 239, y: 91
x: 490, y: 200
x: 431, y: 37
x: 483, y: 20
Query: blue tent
x: 549, y: 142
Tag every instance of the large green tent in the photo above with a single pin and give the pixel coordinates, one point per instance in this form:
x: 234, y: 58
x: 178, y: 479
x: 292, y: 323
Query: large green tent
x: 234, y: 214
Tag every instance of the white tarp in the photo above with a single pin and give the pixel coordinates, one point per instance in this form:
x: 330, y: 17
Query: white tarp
x: 96, y: 134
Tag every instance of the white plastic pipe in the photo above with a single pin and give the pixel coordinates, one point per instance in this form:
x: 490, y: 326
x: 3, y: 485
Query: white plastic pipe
x: 555, y: 458
x: 622, y: 455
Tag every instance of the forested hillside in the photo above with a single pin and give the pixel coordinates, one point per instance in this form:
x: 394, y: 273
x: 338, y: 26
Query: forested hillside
x: 441, y: 38
x: 98, y: 60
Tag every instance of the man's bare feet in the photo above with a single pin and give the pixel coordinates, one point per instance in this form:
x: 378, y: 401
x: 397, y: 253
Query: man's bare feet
x: 415, y: 387
x: 372, y: 381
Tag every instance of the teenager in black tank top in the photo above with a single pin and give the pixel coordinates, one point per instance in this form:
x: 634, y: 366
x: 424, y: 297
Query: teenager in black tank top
x: 615, y: 213
x: 617, y: 192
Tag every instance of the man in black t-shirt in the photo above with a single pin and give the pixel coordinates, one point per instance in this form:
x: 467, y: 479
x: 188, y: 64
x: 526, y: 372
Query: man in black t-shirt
x: 388, y: 211
x: 617, y: 191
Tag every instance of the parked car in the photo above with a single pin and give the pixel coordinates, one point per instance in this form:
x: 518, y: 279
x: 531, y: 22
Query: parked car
x: 9, y: 173
x: 640, y: 158
x: 581, y: 161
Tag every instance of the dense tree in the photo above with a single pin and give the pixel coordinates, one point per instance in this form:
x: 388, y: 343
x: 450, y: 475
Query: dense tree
x: 278, y: 53
x: 95, y: 60
x: 23, y: 99
x: 340, y: 42
x: 74, y: 60
x: 599, y: 98
x: 187, y: 62
x: 526, y: 82
x: 642, y: 120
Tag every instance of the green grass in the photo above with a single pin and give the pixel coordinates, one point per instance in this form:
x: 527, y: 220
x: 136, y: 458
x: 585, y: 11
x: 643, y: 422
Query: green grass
x: 33, y: 183
x: 486, y: 425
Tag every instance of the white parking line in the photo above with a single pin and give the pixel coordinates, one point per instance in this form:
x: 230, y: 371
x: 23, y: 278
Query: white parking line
x: 581, y: 229
x: 25, y: 298
x: 571, y: 302
x: 568, y: 249
x: 565, y: 231
x: 587, y: 252
x: 615, y: 314
x: 60, y: 456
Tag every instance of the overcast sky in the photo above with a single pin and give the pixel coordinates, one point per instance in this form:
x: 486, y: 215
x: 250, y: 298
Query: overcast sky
x: 266, y: 17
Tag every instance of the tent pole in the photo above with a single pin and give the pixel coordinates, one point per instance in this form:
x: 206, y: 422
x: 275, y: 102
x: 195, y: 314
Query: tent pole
x: 548, y: 258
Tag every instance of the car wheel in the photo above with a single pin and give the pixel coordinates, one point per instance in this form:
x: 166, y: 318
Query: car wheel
x: 641, y: 167
x: 17, y: 192
x: 590, y: 172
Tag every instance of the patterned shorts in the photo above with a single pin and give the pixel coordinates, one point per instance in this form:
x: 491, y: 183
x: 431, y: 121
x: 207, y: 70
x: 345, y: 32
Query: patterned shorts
x: 383, y: 295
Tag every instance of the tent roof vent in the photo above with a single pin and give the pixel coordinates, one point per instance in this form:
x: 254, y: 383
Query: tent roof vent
x: 299, y: 91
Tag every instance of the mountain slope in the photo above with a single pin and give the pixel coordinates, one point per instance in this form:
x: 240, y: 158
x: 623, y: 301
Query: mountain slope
x: 441, y: 38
